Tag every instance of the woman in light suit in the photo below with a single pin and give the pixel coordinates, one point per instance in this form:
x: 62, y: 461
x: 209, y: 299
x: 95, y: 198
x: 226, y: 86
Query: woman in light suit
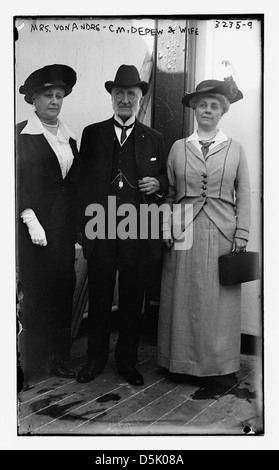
x: 199, y: 319
x: 47, y: 171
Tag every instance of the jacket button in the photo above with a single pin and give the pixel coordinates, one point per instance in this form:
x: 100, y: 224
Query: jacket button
x: 204, y: 181
x: 204, y: 175
x: 203, y: 194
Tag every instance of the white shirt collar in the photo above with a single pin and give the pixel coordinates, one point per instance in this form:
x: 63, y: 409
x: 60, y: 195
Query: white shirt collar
x: 129, y: 121
x: 35, y: 127
x: 219, y: 137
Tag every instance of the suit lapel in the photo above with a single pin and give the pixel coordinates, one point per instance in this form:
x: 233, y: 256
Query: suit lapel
x: 140, y: 141
x: 217, y: 148
x: 49, y: 158
x: 74, y: 171
x: 51, y: 163
x: 194, y: 150
x: 107, y: 135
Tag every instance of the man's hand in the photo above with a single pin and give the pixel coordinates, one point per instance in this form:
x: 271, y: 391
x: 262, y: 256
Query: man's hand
x: 149, y: 185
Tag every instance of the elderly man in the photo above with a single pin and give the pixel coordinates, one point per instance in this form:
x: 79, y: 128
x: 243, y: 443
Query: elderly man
x: 124, y: 163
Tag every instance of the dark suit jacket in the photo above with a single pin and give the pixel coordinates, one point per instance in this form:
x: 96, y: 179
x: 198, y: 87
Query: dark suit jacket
x: 97, y: 157
x: 39, y: 181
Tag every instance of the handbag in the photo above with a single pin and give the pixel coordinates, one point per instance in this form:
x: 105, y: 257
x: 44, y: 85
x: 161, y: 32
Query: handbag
x: 237, y: 268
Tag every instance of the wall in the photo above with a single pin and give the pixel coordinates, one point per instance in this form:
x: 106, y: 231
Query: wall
x: 234, y: 48
x: 174, y: 60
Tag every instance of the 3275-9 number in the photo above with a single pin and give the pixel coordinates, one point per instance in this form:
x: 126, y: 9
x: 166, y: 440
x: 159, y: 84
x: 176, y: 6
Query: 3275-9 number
x: 230, y: 24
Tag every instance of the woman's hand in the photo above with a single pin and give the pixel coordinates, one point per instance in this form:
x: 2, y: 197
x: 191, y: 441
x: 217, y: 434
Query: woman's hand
x: 35, y: 229
x: 38, y: 235
x: 239, y: 244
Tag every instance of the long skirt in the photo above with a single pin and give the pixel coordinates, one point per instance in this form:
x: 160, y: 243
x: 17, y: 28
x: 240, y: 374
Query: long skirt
x: 46, y: 276
x: 199, y: 319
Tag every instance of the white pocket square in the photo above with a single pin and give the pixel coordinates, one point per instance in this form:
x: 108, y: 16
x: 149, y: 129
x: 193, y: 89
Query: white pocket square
x: 153, y: 159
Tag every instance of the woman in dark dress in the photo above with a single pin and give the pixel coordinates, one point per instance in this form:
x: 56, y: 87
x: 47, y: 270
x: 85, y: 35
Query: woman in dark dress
x: 47, y: 171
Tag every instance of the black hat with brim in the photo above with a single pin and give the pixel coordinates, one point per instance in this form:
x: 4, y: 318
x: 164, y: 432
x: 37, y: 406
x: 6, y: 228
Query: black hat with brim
x: 127, y: 76
x: 56, y: 75
x: 227, y: 87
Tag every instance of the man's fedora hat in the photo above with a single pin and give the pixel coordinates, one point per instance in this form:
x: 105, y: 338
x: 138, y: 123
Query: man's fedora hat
x: 57, y: 75
x: 127, y: 76
x: 227, y: 87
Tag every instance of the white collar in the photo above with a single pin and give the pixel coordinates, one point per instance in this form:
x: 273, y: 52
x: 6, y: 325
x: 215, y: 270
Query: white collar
x: 129, y: 121
x: 35, y: 127
x: 219, y: 137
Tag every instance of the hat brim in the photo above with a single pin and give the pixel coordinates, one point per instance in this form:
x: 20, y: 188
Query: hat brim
x: 144, y: 86
x: 66, y: 88
x: 55, y: 75
x: 217, y: 90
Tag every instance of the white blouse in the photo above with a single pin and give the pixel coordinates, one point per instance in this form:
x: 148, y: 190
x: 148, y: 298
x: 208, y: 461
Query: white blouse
x: 59, y: 143
x: 62, y: 149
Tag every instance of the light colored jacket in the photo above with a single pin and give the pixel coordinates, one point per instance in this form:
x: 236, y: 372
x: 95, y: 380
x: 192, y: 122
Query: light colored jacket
x: 218, y: 184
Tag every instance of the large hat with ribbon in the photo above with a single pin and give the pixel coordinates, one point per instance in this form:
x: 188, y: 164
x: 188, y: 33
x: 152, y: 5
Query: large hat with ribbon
x: 56, y: 75
x: 127, y: 76
x: 227, y: 87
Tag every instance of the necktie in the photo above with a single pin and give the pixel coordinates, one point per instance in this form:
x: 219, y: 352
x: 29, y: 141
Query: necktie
x: 123, y: 133
x: 205, y: 147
